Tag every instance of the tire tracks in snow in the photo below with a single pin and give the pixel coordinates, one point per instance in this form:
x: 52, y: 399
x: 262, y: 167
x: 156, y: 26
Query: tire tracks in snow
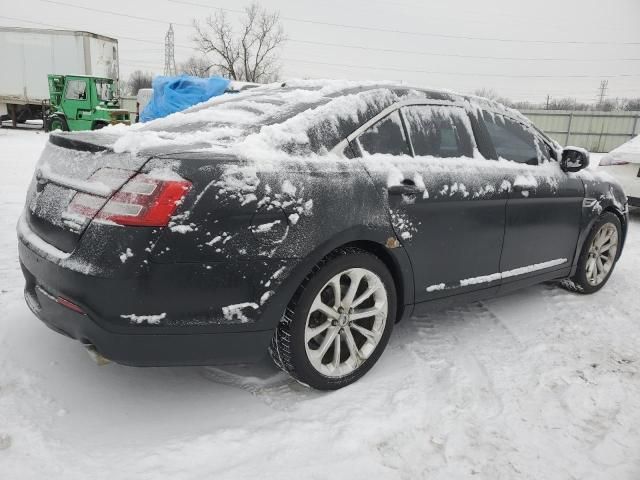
x: 593, y: 383
x: 266, y: 383
x: 455, y: 354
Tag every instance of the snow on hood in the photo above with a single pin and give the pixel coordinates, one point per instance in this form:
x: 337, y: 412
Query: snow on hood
x: 626, y: 153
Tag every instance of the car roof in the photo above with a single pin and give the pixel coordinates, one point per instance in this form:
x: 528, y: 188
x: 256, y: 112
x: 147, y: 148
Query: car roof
x: 316, y: 114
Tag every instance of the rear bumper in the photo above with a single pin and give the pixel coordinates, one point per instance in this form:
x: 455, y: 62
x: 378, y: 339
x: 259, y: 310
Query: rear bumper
x: 148, y: 349
x: 179, y: 339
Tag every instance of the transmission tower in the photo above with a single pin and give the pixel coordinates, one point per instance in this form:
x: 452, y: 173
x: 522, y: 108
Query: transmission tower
x: 169, y: 55
x: 602, y: 91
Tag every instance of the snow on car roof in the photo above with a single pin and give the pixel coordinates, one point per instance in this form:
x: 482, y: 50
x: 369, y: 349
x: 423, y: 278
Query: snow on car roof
x: 299, y: 116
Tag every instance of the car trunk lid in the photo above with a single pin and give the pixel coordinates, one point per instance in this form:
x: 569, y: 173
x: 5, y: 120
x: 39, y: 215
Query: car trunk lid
x: 69, y: 167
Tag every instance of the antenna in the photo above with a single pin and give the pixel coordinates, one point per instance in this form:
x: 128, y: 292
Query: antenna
x: 169, y: 56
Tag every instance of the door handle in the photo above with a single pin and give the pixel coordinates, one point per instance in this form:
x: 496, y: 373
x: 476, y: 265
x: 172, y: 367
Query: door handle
x: 407, y: 187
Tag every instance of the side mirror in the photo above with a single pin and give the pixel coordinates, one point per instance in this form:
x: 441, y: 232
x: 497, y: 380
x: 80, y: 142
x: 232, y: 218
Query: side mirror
x: 574, y: 159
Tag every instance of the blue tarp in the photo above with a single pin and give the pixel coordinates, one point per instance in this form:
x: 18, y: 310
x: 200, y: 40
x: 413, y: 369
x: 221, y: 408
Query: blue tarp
x: 173, y: 94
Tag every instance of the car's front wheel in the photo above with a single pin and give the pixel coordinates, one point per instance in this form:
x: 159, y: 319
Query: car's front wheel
x: 598, y: 257
x: 339, y: 321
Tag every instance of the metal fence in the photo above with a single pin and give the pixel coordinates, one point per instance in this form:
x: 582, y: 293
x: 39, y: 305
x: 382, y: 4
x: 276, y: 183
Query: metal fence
x: 595, y: 131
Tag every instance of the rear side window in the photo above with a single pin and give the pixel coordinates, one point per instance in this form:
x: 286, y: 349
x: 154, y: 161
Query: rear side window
x: 438, y: 131
x: 387, y: 136
x: 511, y: 140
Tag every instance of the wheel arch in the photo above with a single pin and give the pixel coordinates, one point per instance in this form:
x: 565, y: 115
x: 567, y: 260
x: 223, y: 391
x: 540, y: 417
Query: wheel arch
x: 610, y: 208
x: 382, y: 252
x: 623, y: 224
x: 394, y: 257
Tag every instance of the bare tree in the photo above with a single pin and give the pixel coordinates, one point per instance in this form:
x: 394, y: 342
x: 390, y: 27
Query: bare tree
x: 196, y: 67
x: 491, y: 94
x: 485, y: 92
x: 248, y: 53
x: 138, y: 80
x: 567, y: 103
x: 632, y: 104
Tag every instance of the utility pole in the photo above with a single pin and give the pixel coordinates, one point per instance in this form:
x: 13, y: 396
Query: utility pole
x: 169, y: 54
x: 602, y: 91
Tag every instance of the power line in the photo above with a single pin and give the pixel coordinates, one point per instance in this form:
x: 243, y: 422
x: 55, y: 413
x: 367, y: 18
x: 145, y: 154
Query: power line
x: 482, y: 57
x: 340, y: 45
x: 416, y: 33
x: 351, y: 66
x: 134, y: 39
x: 110, y: 12
x: 396, y: 69
x: 464, y: 74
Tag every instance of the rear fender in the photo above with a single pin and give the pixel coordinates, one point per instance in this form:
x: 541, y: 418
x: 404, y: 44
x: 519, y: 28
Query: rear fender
x: 292, y: 280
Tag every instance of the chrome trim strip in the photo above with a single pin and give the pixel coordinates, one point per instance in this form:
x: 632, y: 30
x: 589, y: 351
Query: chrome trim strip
x: 499, y: 275
x: 84, y: 186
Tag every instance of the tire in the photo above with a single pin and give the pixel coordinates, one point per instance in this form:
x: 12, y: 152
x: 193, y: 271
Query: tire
x: 296, y: 350
x: 56, y: 122
x: 589, y: 276
x: 99, y: 125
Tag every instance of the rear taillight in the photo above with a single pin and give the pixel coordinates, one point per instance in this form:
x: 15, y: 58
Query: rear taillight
x: 142, y: 201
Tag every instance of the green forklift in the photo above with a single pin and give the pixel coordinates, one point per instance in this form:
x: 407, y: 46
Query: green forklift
x: 80, y: 102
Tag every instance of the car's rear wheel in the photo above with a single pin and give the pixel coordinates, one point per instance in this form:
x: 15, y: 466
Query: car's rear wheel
x: 598, y: 257
x: 339, y: 321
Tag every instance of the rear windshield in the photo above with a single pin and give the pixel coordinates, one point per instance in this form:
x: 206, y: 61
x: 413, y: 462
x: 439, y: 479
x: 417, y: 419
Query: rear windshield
x: 313, y: 120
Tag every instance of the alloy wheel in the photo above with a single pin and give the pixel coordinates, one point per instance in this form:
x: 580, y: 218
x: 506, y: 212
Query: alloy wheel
x: 602, y: 254
x: 346, y: 322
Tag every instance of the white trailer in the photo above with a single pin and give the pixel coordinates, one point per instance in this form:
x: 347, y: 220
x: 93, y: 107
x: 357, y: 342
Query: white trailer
x: 28, y: 55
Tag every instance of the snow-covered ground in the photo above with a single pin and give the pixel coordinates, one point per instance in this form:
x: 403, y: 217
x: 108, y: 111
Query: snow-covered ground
x: 541, y: 384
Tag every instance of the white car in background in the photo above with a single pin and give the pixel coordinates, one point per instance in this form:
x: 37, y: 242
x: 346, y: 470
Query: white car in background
x: 624, y: 164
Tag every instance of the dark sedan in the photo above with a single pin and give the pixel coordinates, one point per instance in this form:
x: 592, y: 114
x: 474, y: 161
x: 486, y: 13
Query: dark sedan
x: 304, y: 219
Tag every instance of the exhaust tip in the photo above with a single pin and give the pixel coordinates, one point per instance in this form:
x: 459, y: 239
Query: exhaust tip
x: 95, y: 356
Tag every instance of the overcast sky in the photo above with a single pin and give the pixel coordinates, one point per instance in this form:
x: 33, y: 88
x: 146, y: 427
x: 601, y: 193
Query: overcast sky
x: 534, y: 48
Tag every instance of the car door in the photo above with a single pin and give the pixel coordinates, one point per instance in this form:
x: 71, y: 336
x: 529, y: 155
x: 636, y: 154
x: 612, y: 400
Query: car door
x: 544, y: 208
x: 77, y: 99
x: 446, y: 206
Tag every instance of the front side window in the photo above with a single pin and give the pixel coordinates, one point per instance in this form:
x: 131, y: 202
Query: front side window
x: 386, y: 137
x: 438, y: 131
x: 511, y: 140
x: 76, y: 90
